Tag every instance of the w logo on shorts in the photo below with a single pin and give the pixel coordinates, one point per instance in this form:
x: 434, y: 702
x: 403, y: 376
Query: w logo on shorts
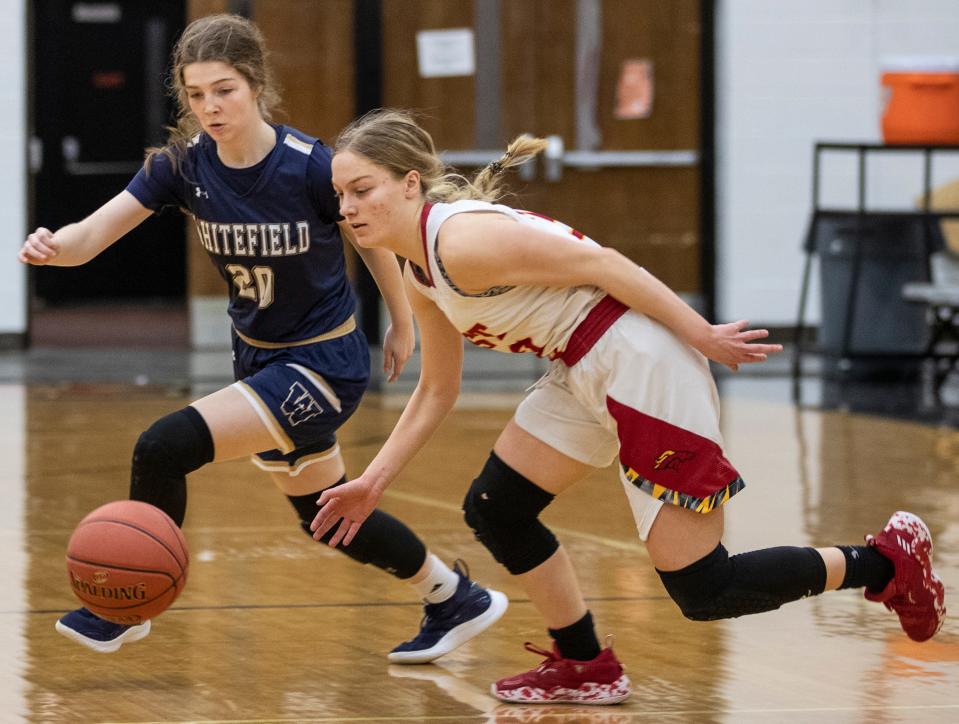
x: 299, y: 405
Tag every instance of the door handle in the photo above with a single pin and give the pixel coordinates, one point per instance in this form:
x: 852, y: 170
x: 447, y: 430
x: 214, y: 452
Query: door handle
x: 556, y: 157
x: 70, y: 146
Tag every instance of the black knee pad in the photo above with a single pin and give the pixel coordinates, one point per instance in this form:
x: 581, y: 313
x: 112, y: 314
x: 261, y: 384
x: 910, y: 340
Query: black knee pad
x: 382, y: 541
x: 165, y: 453
x: 718, y: 586
x: 502, y: 508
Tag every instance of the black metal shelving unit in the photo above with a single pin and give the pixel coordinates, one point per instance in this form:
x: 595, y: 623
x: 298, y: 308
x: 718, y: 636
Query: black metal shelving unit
x: 866, y: 231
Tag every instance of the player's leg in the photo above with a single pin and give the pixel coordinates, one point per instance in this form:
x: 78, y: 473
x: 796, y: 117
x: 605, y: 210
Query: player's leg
x: 456, y: 608
x: 894, y: 568
x: 220, y: 426
x: 521, y: 477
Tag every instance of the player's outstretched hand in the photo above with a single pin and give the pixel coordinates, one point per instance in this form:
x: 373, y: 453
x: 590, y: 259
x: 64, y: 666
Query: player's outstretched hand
x: 731, y: 344
x: 39, y: 248
x: 398, y: 346
x: 349, y: 505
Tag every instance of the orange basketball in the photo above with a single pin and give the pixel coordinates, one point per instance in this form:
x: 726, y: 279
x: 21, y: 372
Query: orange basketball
x: 127, y: 561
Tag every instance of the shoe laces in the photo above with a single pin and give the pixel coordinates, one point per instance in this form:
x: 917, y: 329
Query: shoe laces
x: 459, y: 566
x: 550, y: 661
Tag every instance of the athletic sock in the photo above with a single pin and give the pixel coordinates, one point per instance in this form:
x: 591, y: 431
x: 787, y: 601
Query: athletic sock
x: 440, y: 582
x: 866, y: 567
x: 578, y: 640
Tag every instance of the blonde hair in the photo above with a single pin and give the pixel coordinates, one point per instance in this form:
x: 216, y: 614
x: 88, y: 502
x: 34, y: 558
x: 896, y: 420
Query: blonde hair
x: 230, y: 39
x: 394, y: 140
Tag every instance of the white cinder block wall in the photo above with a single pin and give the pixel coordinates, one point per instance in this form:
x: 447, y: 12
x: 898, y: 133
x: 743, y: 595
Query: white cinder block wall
x: 13, y: 174
x: 788, y: 74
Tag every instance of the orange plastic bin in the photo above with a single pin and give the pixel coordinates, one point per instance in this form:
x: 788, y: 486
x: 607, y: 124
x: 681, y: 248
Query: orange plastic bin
x: 921, y: 100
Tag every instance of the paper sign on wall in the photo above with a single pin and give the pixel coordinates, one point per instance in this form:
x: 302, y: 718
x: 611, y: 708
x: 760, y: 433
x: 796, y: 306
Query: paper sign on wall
x: 634, y: 91
x: 445, y: 53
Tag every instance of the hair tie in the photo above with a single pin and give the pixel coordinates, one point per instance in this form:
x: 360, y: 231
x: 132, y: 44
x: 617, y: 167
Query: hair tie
x: 496, y: 167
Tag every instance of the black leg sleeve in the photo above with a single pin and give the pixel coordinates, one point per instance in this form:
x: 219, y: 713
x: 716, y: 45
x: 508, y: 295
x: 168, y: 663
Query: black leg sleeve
x: 382, y: 541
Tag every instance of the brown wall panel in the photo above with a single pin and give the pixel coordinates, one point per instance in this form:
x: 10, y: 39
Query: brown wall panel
x: 649, y: 214
x: 668, y: 35
x: 311, y: 44
x: 538, y: 67
x: 445, y: 105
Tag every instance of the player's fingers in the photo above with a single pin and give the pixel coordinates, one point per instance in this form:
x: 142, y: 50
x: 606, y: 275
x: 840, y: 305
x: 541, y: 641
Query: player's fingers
x: 764, y: 348
x: 323, y: 521
x: 327, y: 525
x: 41, y: 243
x: 341, y: 531
x: 36, y: 252
x: 354, y: 529
x: 389, y: 368
x: 751, y: 334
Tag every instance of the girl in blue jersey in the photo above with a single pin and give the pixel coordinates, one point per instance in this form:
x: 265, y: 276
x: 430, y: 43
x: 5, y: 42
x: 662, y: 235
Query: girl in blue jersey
x: 261, y: 198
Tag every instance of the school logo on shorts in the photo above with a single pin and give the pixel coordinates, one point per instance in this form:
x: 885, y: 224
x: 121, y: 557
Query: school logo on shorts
x: 299, y: 405
x: 672, y: 459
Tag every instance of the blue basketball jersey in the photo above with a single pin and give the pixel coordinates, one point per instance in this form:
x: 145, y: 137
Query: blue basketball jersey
x: 270, y: 230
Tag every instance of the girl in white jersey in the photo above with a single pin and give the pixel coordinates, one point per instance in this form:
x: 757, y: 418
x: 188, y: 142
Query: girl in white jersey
x: 629, y: 378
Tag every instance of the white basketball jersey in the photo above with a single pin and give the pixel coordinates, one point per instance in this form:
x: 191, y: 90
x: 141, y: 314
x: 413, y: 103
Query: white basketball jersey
x: 507, y: 319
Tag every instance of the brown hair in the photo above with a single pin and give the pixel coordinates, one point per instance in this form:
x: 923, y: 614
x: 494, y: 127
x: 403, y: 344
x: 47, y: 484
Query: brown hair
x: 394, y: 140
x: 230, y: 39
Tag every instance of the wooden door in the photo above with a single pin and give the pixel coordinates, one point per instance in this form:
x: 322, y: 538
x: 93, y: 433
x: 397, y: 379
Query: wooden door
x: 650, y: 213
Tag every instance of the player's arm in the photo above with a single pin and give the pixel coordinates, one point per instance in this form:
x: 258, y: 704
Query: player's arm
x: 485, y: 250
x: 78, y: 243
x: 400, y: 338
x: 441, y: 359
x: 441, y: 365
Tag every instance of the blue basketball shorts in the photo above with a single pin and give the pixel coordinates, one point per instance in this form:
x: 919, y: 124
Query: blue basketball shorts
x: 302, y: 394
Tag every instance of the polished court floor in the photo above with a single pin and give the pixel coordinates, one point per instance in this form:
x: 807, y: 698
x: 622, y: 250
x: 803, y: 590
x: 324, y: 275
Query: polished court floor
x: 274, y: 628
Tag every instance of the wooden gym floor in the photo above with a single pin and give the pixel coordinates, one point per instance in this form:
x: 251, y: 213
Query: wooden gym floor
x: 274, y: 628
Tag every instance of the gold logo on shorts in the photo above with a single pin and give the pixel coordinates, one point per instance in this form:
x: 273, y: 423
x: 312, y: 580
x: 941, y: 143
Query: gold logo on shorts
x: 672, y: 459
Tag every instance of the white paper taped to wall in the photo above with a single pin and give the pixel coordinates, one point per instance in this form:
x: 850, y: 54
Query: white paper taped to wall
x: 445, y: 53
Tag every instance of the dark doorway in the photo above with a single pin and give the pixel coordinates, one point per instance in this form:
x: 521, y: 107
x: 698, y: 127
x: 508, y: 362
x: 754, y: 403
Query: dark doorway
x: 99, y: 98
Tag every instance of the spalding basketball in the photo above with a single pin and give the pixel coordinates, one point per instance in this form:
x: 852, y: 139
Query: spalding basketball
x: 127, y: 561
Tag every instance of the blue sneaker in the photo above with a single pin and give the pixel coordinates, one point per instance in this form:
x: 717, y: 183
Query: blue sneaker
x: 447, y: 625
x: 98, y: 634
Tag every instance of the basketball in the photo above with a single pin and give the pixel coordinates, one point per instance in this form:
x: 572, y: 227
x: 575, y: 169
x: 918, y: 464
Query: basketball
x: 127, y: 561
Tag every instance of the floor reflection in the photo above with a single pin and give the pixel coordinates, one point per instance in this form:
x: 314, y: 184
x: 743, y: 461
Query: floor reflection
x: 274, y: 628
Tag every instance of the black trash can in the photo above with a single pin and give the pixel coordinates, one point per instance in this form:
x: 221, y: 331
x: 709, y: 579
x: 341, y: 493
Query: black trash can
x: 866, y: 327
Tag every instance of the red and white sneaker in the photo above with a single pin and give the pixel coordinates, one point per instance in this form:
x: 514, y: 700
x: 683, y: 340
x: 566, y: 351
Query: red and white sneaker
x: 915, y: 592
x: 600, y: 681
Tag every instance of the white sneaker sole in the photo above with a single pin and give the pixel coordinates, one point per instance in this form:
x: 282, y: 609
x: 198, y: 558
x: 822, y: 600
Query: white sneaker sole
x: 592, y: 695
x: 457, y: 636
x: 134, y: 633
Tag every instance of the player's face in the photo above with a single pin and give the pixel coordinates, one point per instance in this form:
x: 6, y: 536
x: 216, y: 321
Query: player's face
x: 221, y: 99
x: 370, y: 198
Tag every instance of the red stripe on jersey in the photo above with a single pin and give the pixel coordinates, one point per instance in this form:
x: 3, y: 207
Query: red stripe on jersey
x: 424, y: 215
x: 600, y: 318
x: 668, y: 455
x: 574, y: 232
x: 535, y: 213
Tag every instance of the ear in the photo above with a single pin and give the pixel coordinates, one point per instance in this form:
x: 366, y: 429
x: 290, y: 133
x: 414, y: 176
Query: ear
x: 411, y: 184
